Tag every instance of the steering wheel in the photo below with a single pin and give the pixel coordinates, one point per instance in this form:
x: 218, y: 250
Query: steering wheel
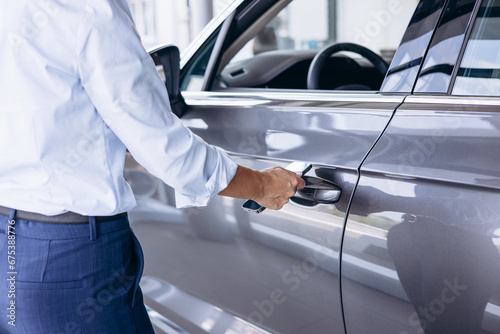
x: 319, y: 60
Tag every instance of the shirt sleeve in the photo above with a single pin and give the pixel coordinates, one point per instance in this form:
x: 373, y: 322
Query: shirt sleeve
x: 120, y: 78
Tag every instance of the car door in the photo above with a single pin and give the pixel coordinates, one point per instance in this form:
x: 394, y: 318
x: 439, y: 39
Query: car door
x: 221, y: 269
x: 421, y: 250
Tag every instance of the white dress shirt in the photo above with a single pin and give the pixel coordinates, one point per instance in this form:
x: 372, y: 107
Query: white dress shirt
x: 76, y: 88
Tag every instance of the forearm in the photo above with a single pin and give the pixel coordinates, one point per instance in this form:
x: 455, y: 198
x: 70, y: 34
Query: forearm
x: 246, y: 184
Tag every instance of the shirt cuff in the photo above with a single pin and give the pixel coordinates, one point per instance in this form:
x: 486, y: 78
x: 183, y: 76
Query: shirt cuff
x: 218, y: 181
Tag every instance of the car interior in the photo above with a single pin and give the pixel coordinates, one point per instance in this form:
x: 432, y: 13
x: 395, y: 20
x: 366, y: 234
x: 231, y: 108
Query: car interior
x: 278, y: 60
x: 288, y: 69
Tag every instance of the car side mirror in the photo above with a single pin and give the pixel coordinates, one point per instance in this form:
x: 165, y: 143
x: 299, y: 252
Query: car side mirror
x: 169, y: 58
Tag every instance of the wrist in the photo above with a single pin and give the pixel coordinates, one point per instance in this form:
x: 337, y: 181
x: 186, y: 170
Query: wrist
x: 258, y: 185
x: 247, y: 184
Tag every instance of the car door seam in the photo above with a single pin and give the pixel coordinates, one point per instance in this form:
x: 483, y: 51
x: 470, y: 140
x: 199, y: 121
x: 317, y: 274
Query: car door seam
x: 358, y: 171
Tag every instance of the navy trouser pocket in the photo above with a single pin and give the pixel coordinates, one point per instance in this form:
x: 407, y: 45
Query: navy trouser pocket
x: 46, y: 264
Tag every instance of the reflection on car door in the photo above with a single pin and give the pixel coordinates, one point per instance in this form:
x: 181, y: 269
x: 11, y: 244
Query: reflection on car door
x: 421, y: 249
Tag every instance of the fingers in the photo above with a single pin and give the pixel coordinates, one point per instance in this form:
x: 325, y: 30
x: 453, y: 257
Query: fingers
x: 297, y: 183
x: 280, y: 186
x: 301, y: 183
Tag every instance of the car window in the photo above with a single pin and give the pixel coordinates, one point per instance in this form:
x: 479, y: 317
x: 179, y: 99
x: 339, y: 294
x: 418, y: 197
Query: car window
x: 311, y: 25
x: 410, y: 53
x: 436, y: 73
x: 479, y: 71
x: 194, y: 77
x: 278, y: 54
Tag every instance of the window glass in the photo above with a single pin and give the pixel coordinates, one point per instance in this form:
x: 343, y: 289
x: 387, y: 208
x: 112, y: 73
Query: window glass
x: 435, y: 75
x: 289, y: 30
x: 194, y: 77
x: 408, y: 58
x: 310, y: 25
x: 479, y: 71
x: 278, y: 54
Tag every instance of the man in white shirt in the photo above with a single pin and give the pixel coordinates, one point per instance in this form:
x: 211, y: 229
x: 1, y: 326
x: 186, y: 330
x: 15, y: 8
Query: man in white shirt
x: 76, y: 89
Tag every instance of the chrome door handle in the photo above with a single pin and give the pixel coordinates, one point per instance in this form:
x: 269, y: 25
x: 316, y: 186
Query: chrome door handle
x: 329, y: 196
x: 317, y: 191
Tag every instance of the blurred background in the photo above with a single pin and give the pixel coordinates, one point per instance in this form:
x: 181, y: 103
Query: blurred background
x: 173, y: 21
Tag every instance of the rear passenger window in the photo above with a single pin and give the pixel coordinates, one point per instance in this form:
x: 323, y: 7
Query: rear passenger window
x: 479, y: 72
x: 436, y: 73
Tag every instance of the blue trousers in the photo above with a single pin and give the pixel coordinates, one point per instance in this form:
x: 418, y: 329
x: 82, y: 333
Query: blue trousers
x: 70, y: 279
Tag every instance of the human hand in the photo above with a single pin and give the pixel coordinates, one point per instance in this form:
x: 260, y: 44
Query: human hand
x: 277, y: 186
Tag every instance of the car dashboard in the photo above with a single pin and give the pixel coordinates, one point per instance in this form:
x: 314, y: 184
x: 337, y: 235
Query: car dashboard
x: 287, y: 69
